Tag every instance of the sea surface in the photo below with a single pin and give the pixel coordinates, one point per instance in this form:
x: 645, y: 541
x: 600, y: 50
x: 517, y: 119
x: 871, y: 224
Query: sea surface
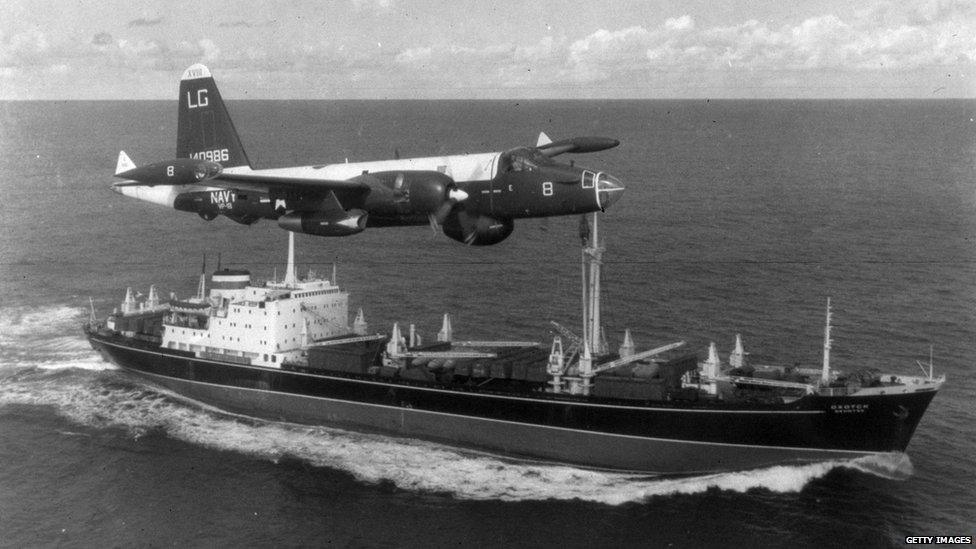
x: 739, y: 217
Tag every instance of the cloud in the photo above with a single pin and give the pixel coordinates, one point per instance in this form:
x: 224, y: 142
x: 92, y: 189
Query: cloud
x: 933, y: 34
x: 685, y: 22
x: 236, y: 24
x: 377, y: 7
x: 144, y: 22
x: 102, y: 39
x: 671, y: 52
x: 25, y: 49
x: 415, y: 56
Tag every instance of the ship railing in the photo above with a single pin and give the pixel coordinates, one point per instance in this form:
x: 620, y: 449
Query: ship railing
x: 445, y: 354
x: 209, y: 355
x: 914, y: 383
x: 495, y: 343
x: 832, y: 391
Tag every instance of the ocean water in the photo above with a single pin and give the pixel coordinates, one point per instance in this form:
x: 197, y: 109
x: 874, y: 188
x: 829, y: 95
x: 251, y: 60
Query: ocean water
x: 739, y: 217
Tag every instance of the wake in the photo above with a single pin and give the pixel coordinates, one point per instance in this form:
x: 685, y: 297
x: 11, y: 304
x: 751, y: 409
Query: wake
x: 109, y: 400
x: 46, y: 337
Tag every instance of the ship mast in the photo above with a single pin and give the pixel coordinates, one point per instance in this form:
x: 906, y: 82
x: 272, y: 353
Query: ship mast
x: 290, y: 269
x: 825, y: 372
x: 202, y: 286
x: 592, y: 259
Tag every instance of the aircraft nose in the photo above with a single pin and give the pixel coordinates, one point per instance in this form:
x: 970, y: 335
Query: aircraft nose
x: 609, y: 189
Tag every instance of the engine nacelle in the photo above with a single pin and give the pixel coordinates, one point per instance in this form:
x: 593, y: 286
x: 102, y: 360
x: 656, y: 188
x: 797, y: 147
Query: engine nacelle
x: 427, y: 191
x: 406, y: 193
x: 324, y: 224
x: 477, y: 230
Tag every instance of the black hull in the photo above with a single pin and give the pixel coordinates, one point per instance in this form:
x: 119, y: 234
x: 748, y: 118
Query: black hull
x: 666, y: 437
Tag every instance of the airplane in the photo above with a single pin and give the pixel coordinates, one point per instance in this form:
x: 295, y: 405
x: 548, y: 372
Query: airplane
x: 472, y: 198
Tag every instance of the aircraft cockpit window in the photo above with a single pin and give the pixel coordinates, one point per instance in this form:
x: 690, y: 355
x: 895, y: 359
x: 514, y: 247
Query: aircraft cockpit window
x: 524, y: 160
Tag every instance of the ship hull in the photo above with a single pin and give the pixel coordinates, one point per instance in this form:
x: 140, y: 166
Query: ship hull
x: 670, y: 437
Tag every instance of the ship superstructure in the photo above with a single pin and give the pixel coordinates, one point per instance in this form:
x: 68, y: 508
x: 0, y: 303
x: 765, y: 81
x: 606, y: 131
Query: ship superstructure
x: 285, y: 350
x: 263, y: 325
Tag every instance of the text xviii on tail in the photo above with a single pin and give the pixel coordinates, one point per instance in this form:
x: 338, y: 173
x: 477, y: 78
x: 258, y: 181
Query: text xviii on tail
x: 474, y: 198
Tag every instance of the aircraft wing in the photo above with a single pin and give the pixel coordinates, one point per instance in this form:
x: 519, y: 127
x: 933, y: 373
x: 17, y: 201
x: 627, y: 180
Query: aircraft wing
x: 271, y: 183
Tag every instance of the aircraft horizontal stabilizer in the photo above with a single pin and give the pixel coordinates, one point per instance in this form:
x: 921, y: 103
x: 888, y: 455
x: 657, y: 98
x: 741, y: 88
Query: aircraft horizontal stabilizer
x: 124, y: 164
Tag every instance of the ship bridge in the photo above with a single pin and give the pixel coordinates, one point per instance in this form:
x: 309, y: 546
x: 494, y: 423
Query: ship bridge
x: 262, y: 325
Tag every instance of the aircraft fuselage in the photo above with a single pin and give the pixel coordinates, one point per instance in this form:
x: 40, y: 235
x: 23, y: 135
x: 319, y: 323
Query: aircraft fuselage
x: 474, y: 198
x: 508, y: 193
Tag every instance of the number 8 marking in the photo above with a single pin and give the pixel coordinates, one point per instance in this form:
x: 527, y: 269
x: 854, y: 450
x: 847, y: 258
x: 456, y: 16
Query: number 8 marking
x: 547, y: 188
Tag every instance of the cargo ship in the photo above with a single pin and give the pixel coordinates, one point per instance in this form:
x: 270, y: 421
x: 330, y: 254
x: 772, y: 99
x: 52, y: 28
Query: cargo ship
x: 284, y: 351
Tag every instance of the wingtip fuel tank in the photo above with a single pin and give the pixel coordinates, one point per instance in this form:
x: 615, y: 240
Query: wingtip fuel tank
x: 178, y: 171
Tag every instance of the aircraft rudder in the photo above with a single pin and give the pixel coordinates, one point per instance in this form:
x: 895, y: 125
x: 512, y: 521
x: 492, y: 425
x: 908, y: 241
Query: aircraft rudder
x: 204, y: 127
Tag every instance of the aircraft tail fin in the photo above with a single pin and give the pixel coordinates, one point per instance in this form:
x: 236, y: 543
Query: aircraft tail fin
x: 124, y: 164
x: 205, y: 130
x: 543, y: 139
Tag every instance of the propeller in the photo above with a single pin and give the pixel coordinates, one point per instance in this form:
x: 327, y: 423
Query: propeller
x: 452, y: 197
x: 428, y: 192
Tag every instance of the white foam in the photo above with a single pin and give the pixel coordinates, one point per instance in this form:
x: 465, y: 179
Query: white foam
x: 87, y: 399
x: 47, y: 337
x: 20, y: 322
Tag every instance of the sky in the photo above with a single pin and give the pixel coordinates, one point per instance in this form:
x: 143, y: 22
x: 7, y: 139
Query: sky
x: 508, y: 49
